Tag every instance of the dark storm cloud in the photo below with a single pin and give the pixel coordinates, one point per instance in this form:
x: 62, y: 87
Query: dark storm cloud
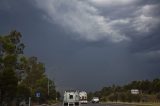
x: 146, y: 43
x: 89, y: 21
x: 84, y: 42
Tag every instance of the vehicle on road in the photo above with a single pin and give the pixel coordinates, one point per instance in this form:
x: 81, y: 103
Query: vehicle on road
x: 95, y: 100
x: 71, y: 98
x: 83, y: 97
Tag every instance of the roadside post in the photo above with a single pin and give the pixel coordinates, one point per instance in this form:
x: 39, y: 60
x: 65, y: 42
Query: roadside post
x: 29, y: 101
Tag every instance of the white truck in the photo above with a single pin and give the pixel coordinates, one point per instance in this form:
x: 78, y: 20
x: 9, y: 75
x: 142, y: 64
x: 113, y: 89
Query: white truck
x: 83, y: 97
x: 71, y: 98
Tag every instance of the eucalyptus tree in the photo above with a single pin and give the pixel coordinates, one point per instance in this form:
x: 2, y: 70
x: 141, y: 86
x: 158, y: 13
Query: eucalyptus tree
x: 11, y: 50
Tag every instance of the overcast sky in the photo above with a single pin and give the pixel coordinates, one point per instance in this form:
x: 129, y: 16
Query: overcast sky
x: 88, y: 44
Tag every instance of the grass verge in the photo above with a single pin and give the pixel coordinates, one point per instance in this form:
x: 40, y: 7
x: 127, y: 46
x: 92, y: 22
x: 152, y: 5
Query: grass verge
x: 134, y: 104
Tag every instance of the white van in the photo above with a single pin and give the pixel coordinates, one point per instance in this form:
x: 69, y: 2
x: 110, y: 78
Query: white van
x: 71, y: 98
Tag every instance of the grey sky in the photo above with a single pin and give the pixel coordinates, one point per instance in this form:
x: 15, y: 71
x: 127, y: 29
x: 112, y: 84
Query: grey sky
x: 88, y: 44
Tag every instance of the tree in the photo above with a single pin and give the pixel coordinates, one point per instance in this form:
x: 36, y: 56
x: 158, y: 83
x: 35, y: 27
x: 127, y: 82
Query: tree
x: 20, y: 76
x: 122, y: 97
x: 113, y: 97
x: 145, y: 86
x: 158, y: 96
x: 52, y: 91
x: 23, y: 93
x: 10, y: 50
x: 34, y: 71
x: 90, y: 96
x: 156, y: 85
x: 8, y: 86
x: 36, y: 79
x: 42, y: 87
x: 58, y: 95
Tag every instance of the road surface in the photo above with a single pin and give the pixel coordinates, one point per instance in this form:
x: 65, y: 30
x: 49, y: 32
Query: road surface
x: 90, y: 104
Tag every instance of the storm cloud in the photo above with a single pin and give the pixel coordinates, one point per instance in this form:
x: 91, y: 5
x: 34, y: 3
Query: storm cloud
x: 85, y: 18
x: 88, y: 44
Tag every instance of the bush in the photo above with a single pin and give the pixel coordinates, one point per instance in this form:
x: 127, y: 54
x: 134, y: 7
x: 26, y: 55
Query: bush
x: 122, y: 97
x: 158, y: 96
x: 113, y: 97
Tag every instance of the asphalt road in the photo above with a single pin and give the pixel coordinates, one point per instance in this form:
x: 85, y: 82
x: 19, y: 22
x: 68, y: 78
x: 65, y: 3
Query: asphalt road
x: 90, y: 104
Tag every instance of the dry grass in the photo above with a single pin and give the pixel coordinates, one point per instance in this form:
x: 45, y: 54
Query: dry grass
x: 135, y: 104
x: 148, y: 104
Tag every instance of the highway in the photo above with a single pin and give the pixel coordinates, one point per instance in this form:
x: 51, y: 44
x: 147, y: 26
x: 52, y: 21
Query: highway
x: 90, y: 104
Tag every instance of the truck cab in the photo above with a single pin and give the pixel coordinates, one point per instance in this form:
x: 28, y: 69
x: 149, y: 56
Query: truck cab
x: 83, y: 97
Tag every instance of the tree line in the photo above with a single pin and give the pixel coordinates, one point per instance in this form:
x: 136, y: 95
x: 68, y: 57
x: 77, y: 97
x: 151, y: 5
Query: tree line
x: 22, y: 77
x: 149, y: 91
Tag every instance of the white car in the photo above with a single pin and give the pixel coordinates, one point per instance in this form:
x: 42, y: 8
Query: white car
x: 95, y: 100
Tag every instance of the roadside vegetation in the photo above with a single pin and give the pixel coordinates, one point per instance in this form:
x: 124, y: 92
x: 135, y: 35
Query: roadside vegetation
x: 22, y: 77
x: 149, y: 92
